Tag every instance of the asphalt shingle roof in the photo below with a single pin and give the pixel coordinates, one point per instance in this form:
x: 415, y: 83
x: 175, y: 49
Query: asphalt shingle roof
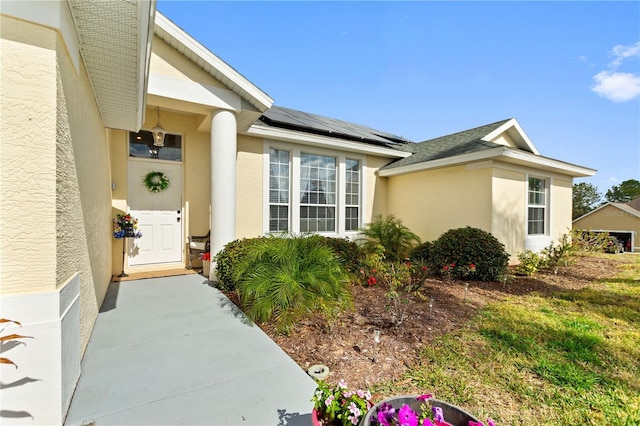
x: 634, y: 204
x: 464, y: 142
x: 291, y: 119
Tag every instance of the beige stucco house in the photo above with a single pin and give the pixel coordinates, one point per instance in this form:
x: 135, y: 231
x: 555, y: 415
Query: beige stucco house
x: 621, y: 220
x: 82, y: 86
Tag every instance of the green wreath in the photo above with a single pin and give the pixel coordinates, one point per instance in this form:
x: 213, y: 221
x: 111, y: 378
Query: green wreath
x: 156, y: 181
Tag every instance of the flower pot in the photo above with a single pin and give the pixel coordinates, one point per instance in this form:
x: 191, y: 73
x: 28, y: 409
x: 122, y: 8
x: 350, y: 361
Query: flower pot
x: 453, y: 415
x: 206, y: 267
x: 315, y: 421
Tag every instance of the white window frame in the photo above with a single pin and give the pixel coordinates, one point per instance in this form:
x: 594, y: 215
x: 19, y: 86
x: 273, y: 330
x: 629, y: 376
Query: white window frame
x: 536, y: 242
x: 294, y: 195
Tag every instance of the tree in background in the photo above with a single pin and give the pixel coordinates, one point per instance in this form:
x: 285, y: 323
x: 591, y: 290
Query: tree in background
x: 626, y: 191
x: 585, y: 198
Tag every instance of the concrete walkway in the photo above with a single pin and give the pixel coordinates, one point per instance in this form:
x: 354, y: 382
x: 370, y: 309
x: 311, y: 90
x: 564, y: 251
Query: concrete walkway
x: 175, y: 351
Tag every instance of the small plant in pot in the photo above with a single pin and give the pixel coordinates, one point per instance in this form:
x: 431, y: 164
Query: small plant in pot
x: 337, y: 405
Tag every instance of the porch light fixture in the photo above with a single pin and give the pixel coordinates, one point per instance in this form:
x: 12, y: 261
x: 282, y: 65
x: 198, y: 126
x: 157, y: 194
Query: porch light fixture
x: 158, y: 131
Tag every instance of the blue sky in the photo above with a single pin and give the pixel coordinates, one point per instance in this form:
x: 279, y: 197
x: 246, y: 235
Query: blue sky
x: 569, y: 72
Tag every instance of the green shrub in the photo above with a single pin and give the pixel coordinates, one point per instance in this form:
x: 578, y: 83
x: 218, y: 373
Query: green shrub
x: 390, y: 233
x: 348, y: 253
x: 422, y: 252
x: 286, y: 279
x: 227, y: 261
x: 469, y: 253
x: 553, y: 255
x: 530, y: 263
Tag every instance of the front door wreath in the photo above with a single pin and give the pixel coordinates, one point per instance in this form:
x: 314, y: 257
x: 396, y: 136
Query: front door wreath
x: 156, y: 181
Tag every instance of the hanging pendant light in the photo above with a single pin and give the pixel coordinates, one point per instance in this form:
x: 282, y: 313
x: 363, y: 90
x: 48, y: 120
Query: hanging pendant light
x: 158, y: 131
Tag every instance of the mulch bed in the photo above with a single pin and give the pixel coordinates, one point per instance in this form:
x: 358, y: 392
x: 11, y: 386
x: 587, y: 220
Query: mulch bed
x: 347, y: 346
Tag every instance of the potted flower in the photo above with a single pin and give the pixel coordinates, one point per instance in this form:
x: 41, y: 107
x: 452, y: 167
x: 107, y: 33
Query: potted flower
x: 421, y: 410
x: 206, y: 263
x: 338, y: 405
x: 125, y: 226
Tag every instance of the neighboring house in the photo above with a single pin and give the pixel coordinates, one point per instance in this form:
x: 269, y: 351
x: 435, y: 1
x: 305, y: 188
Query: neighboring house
x: 620, y: 220
x: 83, y: 85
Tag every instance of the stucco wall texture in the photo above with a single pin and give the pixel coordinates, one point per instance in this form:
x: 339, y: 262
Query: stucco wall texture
x: 83, y: 193
x: 28, y: 93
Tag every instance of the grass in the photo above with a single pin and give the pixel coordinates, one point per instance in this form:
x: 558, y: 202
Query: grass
x: 570, y: 358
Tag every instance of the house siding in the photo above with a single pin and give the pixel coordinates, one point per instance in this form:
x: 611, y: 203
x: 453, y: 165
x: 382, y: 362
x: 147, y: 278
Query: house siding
x: 249, y: 187
x: 509, y: 192
x: 432, y: 202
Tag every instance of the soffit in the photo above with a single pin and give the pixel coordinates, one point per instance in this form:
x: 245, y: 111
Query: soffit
x: 115, y: 44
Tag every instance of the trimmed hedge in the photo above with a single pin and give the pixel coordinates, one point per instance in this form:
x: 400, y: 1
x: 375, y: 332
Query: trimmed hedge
x: 456, y: 250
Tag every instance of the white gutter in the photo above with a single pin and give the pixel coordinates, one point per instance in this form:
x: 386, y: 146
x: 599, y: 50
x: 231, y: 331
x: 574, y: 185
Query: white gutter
x: 285, y: 135
x: 505, y: 154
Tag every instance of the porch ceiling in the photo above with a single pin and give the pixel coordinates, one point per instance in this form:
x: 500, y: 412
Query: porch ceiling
x: 115, y: 44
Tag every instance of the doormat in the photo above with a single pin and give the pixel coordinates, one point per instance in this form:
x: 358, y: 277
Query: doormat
x: 155, y: 274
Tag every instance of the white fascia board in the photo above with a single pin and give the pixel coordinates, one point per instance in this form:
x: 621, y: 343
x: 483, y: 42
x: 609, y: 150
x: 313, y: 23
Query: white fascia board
x: 500, y: 153
x: 260, y: 99
x: 324, y: 142
x: 513, y: 123
x: 146, y: 19
x: 189, y: 91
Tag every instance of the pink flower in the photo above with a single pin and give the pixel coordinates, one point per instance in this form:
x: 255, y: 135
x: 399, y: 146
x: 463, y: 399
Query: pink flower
x: 425, y: 397
x: 407, y: 417
x: 328, y: 401
x: 342, y: 384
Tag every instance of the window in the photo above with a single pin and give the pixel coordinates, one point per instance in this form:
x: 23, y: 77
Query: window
x: 352, y: 195
x: 537, y: 206
x: 317, y: 193
x: 278, y: 190
x: 327, y: 191
x: 141, y: 146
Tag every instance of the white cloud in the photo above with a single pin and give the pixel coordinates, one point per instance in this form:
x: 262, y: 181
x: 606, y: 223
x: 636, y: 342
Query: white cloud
x: 623, y: 52
x: 619, y: 86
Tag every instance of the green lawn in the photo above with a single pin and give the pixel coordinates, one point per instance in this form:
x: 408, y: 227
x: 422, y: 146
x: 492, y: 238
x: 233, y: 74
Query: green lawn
x: 568, y: 359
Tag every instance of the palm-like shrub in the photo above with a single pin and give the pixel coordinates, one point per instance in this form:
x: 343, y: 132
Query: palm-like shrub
x: 390, y: 233
x: 288, y: 279
x: 469, y: 253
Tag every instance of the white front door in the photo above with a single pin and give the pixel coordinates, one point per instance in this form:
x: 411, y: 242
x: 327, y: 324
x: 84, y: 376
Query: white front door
x: 159, y: 214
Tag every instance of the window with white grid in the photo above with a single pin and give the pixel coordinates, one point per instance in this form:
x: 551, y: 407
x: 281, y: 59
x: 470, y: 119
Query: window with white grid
x: 318, y: 180
x: 352, y: 195
x: 279, y: 177
x: 537, y: 206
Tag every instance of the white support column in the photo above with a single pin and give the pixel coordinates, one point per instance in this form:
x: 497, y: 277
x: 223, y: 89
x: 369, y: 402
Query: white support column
x: 223, y: 181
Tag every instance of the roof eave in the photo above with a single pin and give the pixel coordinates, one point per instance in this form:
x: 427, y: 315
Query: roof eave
x: 301, y: 138
x: 171, y: 33
x: 504, y: 154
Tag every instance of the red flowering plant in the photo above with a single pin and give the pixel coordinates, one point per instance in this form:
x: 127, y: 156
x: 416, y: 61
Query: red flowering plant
x: 400, y: 279
x: 452, y: 271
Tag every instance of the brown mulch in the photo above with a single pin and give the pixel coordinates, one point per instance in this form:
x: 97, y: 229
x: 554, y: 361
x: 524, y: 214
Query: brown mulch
x: 347, y: 347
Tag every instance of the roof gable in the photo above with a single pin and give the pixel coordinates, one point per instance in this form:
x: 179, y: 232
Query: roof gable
x: 621, y: 206
x: 212, y: 64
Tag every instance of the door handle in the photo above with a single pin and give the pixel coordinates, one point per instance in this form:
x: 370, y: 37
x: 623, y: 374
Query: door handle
x: 178, y: 219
